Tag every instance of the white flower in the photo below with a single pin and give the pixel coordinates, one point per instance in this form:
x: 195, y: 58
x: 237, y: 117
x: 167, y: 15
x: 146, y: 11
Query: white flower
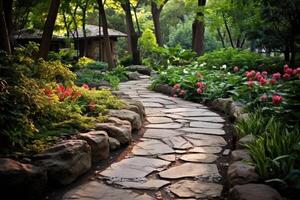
x: 202, y: 64
x: 214, y: 67
x: 223, y: 67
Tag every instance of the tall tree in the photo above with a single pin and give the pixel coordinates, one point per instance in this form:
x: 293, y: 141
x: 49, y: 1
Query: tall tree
x: 4, y: 34
x: 107, y: 45
x: 48, y: 29
x: 156, y: 8
x: 84, y: 6
x: 198, y: 29
x: 133, y: 36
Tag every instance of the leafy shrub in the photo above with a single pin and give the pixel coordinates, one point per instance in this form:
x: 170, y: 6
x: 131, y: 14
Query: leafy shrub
x: 88, y: 63
x: 126, y: 60
x: 243, y: 58
x: 147, y: 42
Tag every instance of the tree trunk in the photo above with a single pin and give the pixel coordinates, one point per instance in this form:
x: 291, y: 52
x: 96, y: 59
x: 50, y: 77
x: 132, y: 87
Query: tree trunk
x: 132, y: 35
x: 198, y: 30
x: 85, y: 42
x: 155, y: 10
x: 228, y: 31
x: 4, y: 37
x: 221, y: 37
x: 48, y: 29
x: 105, y: 35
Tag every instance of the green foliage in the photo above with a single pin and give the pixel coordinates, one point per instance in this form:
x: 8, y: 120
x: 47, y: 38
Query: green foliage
x: 147, y: 43
x: 242, y: 58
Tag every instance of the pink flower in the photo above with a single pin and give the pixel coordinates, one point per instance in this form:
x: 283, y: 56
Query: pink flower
x: 236, y: 69
x: 176, y: 86
x: 85, y: 86
x: 276, y: 76
x: 272, y: 82
x: 199, y: 91
x: 296, y: 71
x: 264, y: 98
x: 258, y: 76
x: 182, y: 92
x: 250, y: 83
x: 200, y: 84
x: 286, y: 76
x: 68, y: 92
x: 289, y: 71
x: 250, y: 74
x: 175, y: 95
x: 262, y: 81
x: 276, y: 99
x: 261, y: 65
x: 265, y: 73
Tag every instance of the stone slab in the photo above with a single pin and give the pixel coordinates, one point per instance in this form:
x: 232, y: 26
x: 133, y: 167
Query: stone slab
x: 199, y: 157
x: 206, y: 119
x: 161, y: 133
x: 168, y: 157
x: 205, y: 150
x: 165, y: 126
x: 207, y: 131
x: 177, y: 142
x: 191, y: 170
x: 153, y: 105
x: 205, y: 140
x: 199, y: 124
x: 151, y: 147
x: 159, y: 120
x: 198, y: 114
x: 152, y: 184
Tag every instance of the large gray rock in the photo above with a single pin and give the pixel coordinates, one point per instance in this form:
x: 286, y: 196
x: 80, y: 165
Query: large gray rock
x: 240, y: 154
x: 140, y: 69
x: 133, y: 75
x: 244, y: 141
x: 98, y: 141
x: 118, y: 131
x: 254, y: 192
x: 133, y: 117
x: 113, y: 143
x: 240, y: 173
x: 222, y: 104
x: 21, y: 181
x: 236, y: 109
x: 66, y: 161
x: 136, y: 106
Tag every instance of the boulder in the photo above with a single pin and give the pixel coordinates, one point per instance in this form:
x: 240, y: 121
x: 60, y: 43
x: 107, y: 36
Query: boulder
x: 222, y: 104
x: 244, y: 141
x: 140, y: 69
x: 253, y: 192
x: 128, y: 115
x: 136, y: 106
x: 165, y: 89
x: 65, y: 161
x: 133, y: 75
x: 241, y: 117
x: 240, y: 154
x: 119, y: 131
x: 113, y: 143
x: 236, y: 109
x: 98, y: 141
x: 21, y: 181
x: 240, y: 173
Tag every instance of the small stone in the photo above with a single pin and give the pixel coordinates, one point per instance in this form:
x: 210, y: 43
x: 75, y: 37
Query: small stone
x: 204, y: 131
x: 165, y: 126
x: 159, y: 120
x: 240, y: 173
x: 240, y: 154
x: 191, y: 170
x: 226, y: 152
x: 222, y: 104
x: 245, y: 140
x: 254, y: 192
x: 200, y: 158
x: 196, y: 189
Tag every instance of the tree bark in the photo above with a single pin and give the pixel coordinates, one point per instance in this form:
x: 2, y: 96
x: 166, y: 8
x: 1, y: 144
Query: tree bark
x: 4, y: 36
x: 156, y: 10
x: 48, y: 29
x: 221, y: 37
x: 84, y: 9
x: 198, y: 30
x: 132, y: 34
x: 228, y: 31
x: 105, y: 35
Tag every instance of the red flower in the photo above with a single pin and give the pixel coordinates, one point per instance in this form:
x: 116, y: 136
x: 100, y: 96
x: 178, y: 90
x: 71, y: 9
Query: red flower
x: 250, y: 83
x: 276, y: 76
x: 48, y: 92
x: 85, y: 86
x: 264, y: 97
x: 199, y: 91
x: 60, y: 88
x: 68, y: 92
x: 176, y: 86
x: 250, y: 74
x: 272, y: 82
x: 258, y: 76
x: 236, y: 69
x: 200, y: 84
x: 276, y: 99
x: 265, y: 73
x: 286, y: 76
x: 262, y: 81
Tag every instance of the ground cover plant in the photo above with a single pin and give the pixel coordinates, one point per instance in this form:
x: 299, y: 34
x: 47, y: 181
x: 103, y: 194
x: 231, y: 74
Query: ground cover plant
x: 39, y: 99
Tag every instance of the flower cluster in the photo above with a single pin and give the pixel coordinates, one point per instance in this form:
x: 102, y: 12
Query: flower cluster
x: 200, y: 87
x: 178, y: 91
x: 63, y: 92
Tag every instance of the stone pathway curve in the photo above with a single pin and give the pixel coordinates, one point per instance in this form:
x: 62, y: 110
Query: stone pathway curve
x: 175, y: 159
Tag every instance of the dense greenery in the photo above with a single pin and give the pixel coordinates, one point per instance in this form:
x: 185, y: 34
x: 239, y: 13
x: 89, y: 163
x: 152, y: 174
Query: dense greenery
x: 38, y: 99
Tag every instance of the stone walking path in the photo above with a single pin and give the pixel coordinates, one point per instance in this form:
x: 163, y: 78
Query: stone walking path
x: 176, y: 158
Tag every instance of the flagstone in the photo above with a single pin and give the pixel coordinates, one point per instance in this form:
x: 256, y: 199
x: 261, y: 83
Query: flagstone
x: 161, y: 133
x: 199, y: 157
x: 159, y: 120
x: 165, y: 126
x: 177, y: 142
x: 205, y: 140
x: 204, y: 131
x: 151, y: 147
x: 200, y: 124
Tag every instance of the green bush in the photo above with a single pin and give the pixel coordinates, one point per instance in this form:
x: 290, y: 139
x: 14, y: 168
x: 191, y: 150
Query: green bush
x: 242, y: 58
